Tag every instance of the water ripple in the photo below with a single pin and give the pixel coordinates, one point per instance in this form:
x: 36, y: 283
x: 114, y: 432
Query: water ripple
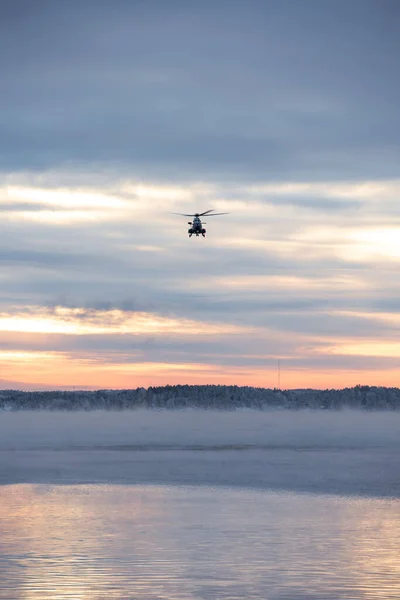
x: 94, y: 542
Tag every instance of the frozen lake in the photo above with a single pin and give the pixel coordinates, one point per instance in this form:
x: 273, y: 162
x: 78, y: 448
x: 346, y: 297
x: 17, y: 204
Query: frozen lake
x: 200, y: 505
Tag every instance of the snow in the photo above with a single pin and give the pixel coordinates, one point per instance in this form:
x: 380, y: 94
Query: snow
x: 221, y: 397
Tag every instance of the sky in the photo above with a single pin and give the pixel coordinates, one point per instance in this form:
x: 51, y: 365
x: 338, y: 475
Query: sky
x: 114, y: 115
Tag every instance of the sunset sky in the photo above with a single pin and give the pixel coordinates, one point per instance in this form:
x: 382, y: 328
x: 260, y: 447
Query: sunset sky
x: 115, y: 114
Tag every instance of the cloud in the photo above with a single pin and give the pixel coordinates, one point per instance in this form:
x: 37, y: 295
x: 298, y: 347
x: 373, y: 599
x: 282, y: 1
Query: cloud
x: 283, y: 116
x: 75, y: 321
x: 183, y: 91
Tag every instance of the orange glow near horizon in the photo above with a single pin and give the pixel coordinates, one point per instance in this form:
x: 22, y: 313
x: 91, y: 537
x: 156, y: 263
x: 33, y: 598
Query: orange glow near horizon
x: 47, y: 370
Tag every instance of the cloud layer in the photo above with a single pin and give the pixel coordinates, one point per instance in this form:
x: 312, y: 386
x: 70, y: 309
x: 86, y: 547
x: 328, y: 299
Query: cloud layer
x: 284, y: 116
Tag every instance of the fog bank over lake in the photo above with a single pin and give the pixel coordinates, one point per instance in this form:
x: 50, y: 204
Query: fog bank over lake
x: 346, y: 452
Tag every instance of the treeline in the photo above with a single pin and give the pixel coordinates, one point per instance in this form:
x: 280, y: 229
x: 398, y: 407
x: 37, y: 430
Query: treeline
x: 210, y: 397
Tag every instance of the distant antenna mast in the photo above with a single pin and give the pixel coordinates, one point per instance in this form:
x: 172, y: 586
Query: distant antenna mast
x: 279, y: 373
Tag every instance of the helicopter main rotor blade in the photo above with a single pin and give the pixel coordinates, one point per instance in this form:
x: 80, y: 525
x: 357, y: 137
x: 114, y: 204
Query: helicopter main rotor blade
x: 183, y: 215
x: 205, y: 212
x: 209, y: 213
x: 216, y: 214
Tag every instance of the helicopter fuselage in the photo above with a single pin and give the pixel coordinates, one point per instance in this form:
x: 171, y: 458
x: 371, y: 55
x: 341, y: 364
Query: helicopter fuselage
x: 196, y: 227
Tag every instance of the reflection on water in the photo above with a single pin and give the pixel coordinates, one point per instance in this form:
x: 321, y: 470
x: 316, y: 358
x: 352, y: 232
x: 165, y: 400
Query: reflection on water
x: 105, y: 542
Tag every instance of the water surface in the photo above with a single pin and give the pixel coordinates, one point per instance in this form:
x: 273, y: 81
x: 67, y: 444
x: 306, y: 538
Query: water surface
x: 153, y: 542
x: 200, y: 505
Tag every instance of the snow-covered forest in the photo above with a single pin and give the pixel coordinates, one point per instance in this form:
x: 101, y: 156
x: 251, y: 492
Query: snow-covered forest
x: 217, y: 397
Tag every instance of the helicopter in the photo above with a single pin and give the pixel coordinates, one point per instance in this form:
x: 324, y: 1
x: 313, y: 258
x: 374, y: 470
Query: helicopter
x: 196, y: 226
